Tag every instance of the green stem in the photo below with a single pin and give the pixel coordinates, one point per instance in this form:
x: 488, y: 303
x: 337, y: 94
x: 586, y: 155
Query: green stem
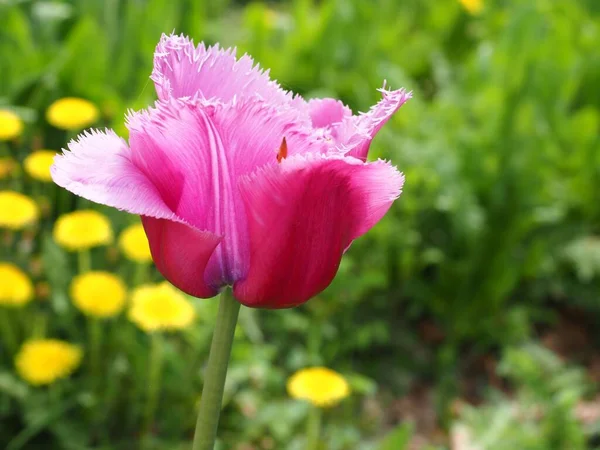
x: 40, y: 324
x: 84, y: 261
x: 154, y: 370
x: 95, y: 341
x: 9, y: 334
x: 140, y: 274
x: 216, y: 372
x: 313, y: 428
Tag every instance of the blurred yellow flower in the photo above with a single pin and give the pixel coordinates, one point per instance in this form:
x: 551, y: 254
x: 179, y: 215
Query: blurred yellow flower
x: 81, y: 230
x: 134, y: 244
x: 98, y: 294
x: 7, y: 167
x: 37, y: 164
x: 16, y: 288
x: 43, y: 361
x: 17, y: 210
x: 472, y: 6
x: 160, y: 307
x: 319, y: 385
x: 71, y: 113
x: 11, y: 125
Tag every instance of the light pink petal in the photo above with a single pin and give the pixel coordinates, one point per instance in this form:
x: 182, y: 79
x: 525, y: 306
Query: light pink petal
x: 302, y: 215
x: 356, y: 133
x: 182, y: 70
x: 325, y: 112
x: 194, y: 151
x: 98, y: 166
x: 181, y: 253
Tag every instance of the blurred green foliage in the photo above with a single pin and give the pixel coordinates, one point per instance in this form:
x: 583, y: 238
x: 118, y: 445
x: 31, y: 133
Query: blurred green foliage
x: 541, y: 415
x: 498, y: 220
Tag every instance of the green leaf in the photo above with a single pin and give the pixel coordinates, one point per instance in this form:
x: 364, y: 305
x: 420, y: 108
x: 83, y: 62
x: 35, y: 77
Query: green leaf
x: 397, y: 439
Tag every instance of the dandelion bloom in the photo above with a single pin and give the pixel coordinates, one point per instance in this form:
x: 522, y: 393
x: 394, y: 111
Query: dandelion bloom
x: 7, y: 167
x: 134, y: 244
x: 37, y: 164
x: 43, y: 361
x: 16, y: 288
x: 17, y: 211
x: 98, y: 294
x: 160, y: 307
x: 239, y: 182
x: 319, y: 385
x: 82, y: 230
x: 11, y: 126
x: 71, y: 113
x: 472, y: 6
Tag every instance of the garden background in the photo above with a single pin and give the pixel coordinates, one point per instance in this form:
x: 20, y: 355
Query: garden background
x: 467, y: 319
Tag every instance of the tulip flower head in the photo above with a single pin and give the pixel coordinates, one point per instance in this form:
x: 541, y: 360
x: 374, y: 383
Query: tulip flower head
x: 237, y: 181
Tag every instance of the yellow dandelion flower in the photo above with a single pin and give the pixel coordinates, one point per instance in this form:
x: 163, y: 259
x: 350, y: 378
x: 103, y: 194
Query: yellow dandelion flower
x: 7, y: 167
x: 17, y: 210
x: 134, y: 244
x: 11, y: 125
x: 81, y: 230
x: 160, y: 307
x: 43, y: 361
x: 71, y: 113
x: 37, y: 164
x: 16, y: 288
x: 472, y: 6
x: 98, y: 294
x: 319, y: 385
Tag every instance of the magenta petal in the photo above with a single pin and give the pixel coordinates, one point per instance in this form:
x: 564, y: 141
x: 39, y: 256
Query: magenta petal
x: 194, y: 151
x: 302, y: 215
x: 357, y: 132
x: 181, y: 253
x: 325, y: 112
x: 98, y: 166
x: 182, y: 70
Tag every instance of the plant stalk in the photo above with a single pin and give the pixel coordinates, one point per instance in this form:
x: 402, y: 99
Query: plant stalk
x: 154, y: 372
x: 313, y: 428
x: 216, y: 372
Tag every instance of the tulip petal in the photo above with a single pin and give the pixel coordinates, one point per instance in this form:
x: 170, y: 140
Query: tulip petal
x: 302, y: 215
x: 325, y: 112
x: 356, y: 133
x: 98, y: 166
x: 181, y: 253
x: 182, y: 70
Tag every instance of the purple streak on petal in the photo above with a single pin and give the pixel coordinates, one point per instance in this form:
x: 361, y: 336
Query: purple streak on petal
x: 302, y: 215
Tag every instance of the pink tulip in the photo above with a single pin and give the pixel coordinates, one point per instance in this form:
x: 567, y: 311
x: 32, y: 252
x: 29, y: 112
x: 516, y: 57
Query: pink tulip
x: 237, y: 181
